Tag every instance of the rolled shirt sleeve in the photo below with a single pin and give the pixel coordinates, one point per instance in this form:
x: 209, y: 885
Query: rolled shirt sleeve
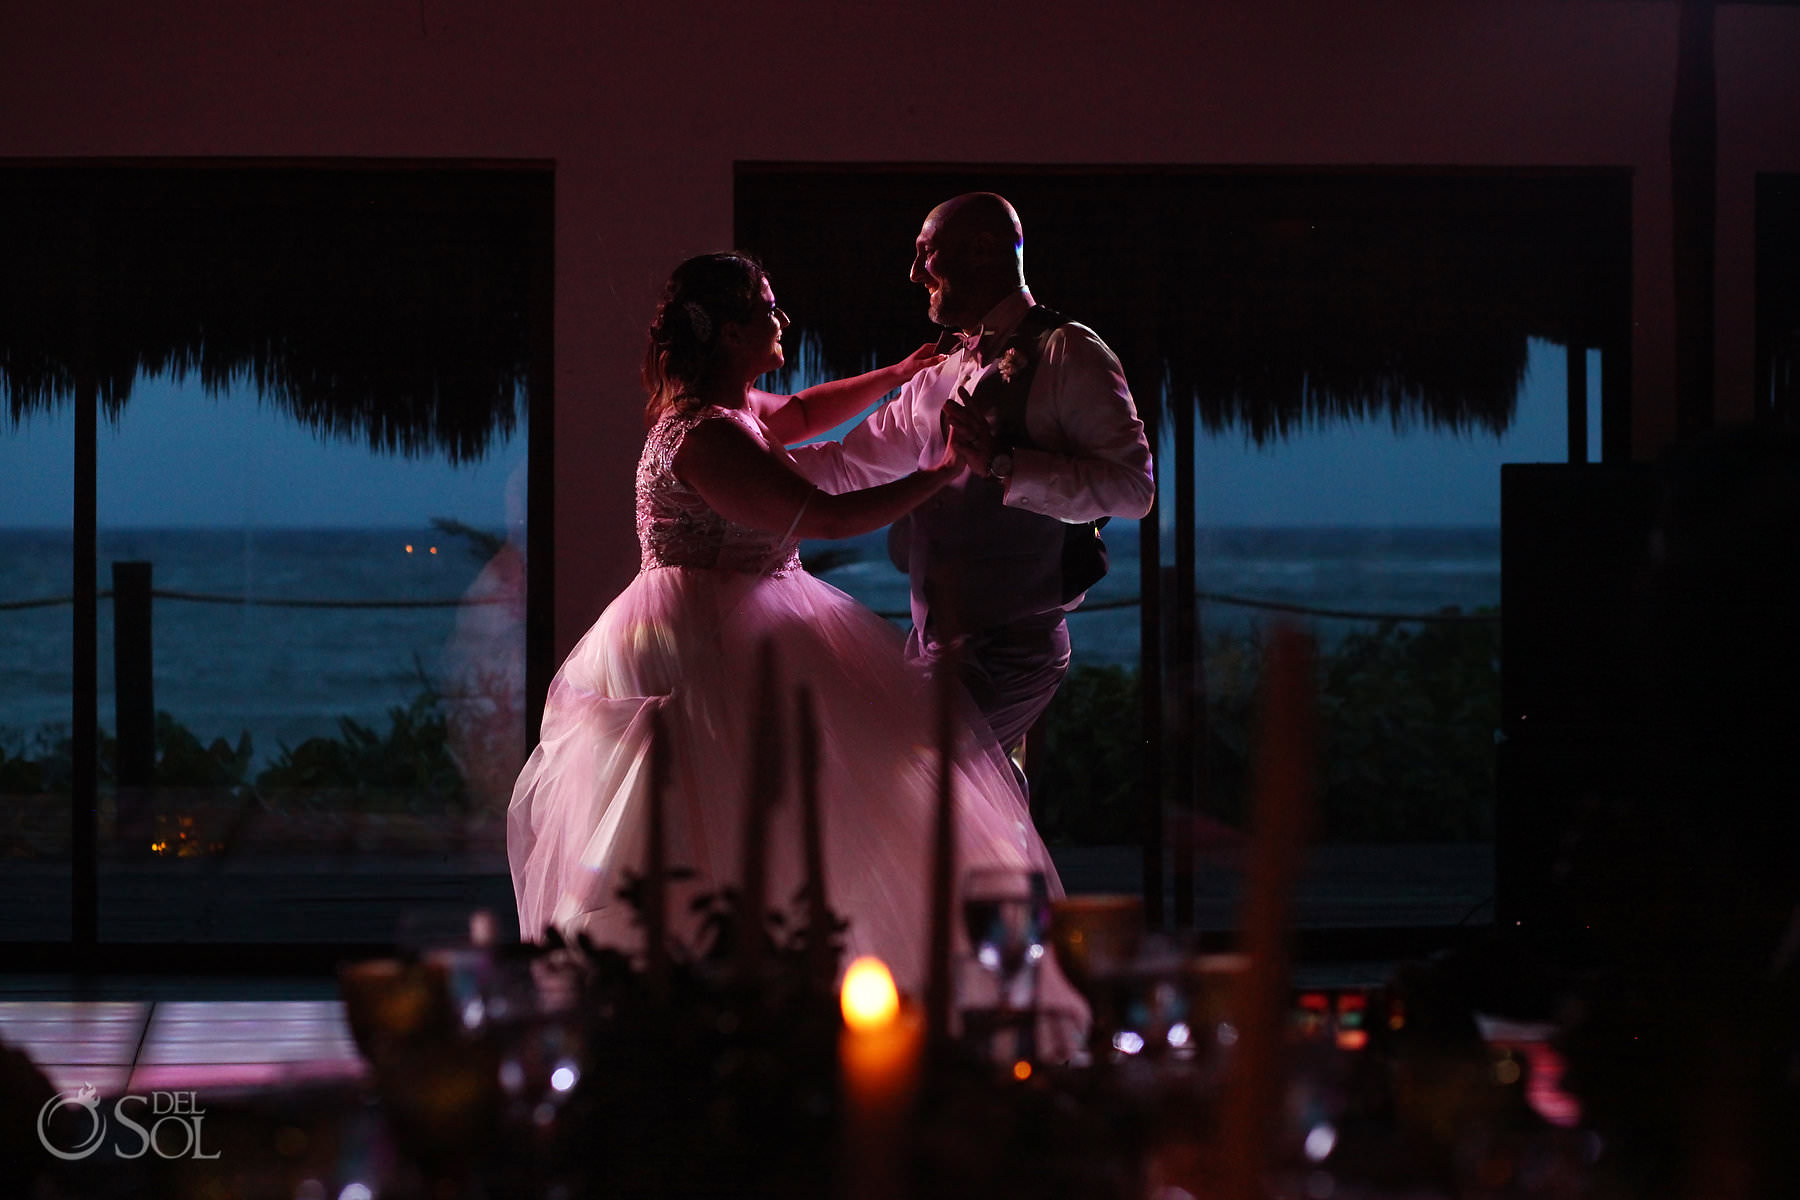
x: 1091, y: 458
x: 886, y: 445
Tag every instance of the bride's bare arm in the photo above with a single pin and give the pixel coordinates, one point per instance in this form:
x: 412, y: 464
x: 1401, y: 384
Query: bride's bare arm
x: 823, y: 406
x: 746, y: 484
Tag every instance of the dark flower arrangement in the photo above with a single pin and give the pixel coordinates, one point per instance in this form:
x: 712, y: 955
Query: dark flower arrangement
x: 698, y: 1081
x: 706, y: 1083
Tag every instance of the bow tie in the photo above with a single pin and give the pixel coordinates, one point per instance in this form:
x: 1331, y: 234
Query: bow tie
x: 969, y: 343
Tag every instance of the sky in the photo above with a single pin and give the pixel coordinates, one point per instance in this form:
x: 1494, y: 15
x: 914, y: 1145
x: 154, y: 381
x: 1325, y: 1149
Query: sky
x: 1366, y: 474
x: 181, y: 458
x: 178, y: 458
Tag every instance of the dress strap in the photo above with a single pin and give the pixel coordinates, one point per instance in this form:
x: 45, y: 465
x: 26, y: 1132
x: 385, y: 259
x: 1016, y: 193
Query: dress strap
x: 798, y: 513
x: 780, y: 550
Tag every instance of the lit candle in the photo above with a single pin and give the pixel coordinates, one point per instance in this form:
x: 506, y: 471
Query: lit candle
x: 869, y: 998
x: 878, y: 1056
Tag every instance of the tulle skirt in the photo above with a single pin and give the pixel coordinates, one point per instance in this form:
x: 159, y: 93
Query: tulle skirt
x: 686, y: 641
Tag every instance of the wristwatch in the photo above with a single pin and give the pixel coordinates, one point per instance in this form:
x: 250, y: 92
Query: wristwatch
x: 1000, y: 464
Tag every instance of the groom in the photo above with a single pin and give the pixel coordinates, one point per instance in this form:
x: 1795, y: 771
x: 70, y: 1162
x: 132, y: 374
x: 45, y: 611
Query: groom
x: 986, y: 555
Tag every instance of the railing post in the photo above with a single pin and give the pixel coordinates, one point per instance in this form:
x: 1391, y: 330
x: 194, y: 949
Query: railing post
x: 134, y: 694
x: 1578, y: 403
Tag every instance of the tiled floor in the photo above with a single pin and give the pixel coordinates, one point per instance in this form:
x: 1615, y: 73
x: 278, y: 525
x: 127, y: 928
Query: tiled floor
x: 118, y: 1046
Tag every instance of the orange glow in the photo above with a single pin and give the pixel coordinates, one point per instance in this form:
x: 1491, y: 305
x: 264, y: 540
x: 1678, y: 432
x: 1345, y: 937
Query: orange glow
x: 434, y: 549
x: 1352, y: 1039
x: 409, y: 547
x: 869, y: 999
x: 1021, y: 1070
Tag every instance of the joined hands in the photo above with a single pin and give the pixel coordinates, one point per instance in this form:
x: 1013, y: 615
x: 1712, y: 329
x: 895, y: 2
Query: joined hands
x: 971, y: 443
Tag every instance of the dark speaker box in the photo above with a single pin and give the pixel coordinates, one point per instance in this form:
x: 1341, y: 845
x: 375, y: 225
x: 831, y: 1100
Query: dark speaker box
x: 1575, y: 543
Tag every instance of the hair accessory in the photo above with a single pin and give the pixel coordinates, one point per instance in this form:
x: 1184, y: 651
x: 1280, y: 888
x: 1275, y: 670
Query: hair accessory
x: 701, y: 322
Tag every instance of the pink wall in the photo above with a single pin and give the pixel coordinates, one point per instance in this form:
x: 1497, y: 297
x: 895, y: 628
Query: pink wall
x: 645, y: 108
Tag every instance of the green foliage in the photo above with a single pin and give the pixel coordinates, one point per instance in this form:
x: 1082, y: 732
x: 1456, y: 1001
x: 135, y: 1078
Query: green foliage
x: 1406, y: 718
x: 1089, y: 789
x: 45, y: 765
x: 181, y: 761
x: 20, y: 776
x: 44, y: 762
x: 409, y: 768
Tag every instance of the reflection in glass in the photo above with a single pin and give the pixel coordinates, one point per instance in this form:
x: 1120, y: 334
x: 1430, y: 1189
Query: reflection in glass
x: 337, y: 682
x: 1384, y: 542
x: 37, y: 459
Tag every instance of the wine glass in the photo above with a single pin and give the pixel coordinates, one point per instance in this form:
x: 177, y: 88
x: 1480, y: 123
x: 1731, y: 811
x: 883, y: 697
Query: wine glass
x: 1006, y: 911
x: 1095, y: 939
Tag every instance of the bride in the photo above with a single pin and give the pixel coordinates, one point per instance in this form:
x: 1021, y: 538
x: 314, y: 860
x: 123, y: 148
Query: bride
x: 720, y: 511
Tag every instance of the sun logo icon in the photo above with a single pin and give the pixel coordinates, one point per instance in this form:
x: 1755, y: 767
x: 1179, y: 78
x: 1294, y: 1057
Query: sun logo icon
x: 86, y: 1099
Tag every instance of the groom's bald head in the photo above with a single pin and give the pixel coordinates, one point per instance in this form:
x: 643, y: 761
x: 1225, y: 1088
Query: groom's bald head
x: 970, y: 255
x: 981, y: 214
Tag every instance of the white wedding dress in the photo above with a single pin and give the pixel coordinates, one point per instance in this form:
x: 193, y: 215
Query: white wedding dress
x: 684, y: 636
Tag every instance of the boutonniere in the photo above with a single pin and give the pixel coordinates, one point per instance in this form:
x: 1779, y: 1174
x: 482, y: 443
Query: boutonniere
x: 1010, y: 364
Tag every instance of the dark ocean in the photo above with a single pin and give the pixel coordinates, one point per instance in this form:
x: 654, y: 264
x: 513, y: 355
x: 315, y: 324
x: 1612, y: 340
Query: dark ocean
x: 287, y: 673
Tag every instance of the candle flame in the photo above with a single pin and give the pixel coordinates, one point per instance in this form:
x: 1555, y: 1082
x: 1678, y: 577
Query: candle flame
x: 869, y: 998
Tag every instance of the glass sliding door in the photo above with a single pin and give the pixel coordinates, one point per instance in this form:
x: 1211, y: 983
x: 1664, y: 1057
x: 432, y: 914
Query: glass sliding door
x: 1383, y: 545
x: 37, y: 456
x: 317, y: 393
x: 335, y: 696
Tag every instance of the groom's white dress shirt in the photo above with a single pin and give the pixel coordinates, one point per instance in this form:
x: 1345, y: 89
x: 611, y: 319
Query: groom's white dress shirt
x: 1089, y: 459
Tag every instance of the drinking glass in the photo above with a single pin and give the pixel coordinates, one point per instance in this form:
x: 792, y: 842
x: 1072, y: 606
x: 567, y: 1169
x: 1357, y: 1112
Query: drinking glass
x: 1007, y: 916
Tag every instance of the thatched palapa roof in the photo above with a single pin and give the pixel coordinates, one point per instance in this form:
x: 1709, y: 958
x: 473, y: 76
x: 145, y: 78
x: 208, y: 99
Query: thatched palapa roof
x: 391, y: 305
x: 1269, y: 298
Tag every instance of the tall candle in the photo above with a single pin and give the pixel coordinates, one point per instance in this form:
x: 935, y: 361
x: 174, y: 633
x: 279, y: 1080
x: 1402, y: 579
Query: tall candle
x: 656, y: 874
x: 764, y: 788
x: 818, y: 908
x: 939, y: 983
x: 1281, y: 817
x: 878, y: 1061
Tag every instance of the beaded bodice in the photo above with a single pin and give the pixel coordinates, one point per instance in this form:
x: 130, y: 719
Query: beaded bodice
x: 675, y: 527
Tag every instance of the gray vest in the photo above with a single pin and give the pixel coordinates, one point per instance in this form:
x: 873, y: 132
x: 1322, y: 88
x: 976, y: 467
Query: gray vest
x: 974, y: 562
x: 977, y: 564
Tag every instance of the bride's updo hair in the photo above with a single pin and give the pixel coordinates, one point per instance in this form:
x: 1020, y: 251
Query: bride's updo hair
x: 703, y: 293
